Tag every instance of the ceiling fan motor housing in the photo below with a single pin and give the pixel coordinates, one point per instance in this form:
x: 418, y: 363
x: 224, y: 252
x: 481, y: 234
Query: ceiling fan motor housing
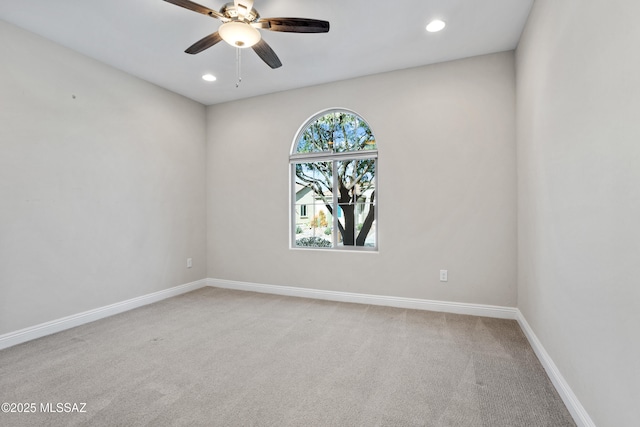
x: 229, y: 10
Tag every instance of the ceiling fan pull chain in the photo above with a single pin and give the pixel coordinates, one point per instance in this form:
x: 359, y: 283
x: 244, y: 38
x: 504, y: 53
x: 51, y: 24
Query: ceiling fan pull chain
x: 238, y: 66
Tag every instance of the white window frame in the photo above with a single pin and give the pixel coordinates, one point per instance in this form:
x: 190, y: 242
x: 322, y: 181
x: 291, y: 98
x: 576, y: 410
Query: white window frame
x: 334, y: 158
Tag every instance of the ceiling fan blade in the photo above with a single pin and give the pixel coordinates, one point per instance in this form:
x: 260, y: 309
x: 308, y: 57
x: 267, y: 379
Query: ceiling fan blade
x: 187, y: 4
x: 267, y: 54
x: 204, y: 43
x: 296, y: 25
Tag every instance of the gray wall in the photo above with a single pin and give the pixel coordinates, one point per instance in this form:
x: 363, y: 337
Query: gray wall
x: 446, y: 191
x: 102, y: 197
x: 578, y: 91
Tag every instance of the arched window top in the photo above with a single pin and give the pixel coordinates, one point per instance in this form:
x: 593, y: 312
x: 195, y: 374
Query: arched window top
x: 334, y: 131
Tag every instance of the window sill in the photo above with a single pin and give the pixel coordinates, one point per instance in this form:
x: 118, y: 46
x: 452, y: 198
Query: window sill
x: 330, y: 250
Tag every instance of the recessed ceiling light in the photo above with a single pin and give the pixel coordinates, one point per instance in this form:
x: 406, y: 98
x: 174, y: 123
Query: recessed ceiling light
x: 209, y: 77
x: 435, y: 26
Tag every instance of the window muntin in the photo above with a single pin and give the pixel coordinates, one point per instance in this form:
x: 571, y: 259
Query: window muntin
x: 336, y: 149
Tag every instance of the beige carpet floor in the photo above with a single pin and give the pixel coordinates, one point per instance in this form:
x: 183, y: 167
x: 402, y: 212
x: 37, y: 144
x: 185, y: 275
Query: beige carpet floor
x: 216, y: 357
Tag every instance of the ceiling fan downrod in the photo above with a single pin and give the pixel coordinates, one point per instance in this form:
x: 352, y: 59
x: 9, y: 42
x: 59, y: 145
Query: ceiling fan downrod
x: 238, y: 66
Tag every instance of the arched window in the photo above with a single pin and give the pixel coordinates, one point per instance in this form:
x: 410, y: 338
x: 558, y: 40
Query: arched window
x: 333, y: 163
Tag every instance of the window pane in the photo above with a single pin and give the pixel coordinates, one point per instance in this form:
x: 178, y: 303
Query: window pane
x: 318, y: 137
x: 351, y: 133
x: 356, y: 200
x: 314, y: 182
x: 337, y: 131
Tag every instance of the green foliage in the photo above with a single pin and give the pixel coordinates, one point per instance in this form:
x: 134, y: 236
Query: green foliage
x: 327, y: 231
x: 359, y: 226
x: 298, y: 229
x: 317, y: 242
x: 337, y: 131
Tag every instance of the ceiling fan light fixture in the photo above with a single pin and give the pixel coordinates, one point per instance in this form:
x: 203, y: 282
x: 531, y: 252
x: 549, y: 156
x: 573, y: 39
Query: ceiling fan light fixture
x: 436, y: 25
x: 239, y: 34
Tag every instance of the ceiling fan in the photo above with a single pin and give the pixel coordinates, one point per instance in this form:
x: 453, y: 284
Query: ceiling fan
x: 240, y: 25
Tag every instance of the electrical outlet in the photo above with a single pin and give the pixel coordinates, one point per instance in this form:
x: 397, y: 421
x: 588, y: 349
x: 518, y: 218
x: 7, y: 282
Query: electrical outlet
x: 444, y: 275
x: 189, y: 262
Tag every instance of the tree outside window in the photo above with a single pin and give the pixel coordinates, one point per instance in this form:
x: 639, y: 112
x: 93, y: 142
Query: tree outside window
x: 334, y: 169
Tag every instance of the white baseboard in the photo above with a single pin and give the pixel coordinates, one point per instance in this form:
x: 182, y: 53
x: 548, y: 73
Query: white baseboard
x: 579, y: 414
x: 48, y: 328
x: 389, y: 301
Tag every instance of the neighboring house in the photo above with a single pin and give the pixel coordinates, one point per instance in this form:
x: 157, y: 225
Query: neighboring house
x: 304, y: 205
x: 308, y: 205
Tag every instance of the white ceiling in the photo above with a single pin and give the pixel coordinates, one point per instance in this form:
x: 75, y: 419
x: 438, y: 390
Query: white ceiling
x: 147, y: 38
